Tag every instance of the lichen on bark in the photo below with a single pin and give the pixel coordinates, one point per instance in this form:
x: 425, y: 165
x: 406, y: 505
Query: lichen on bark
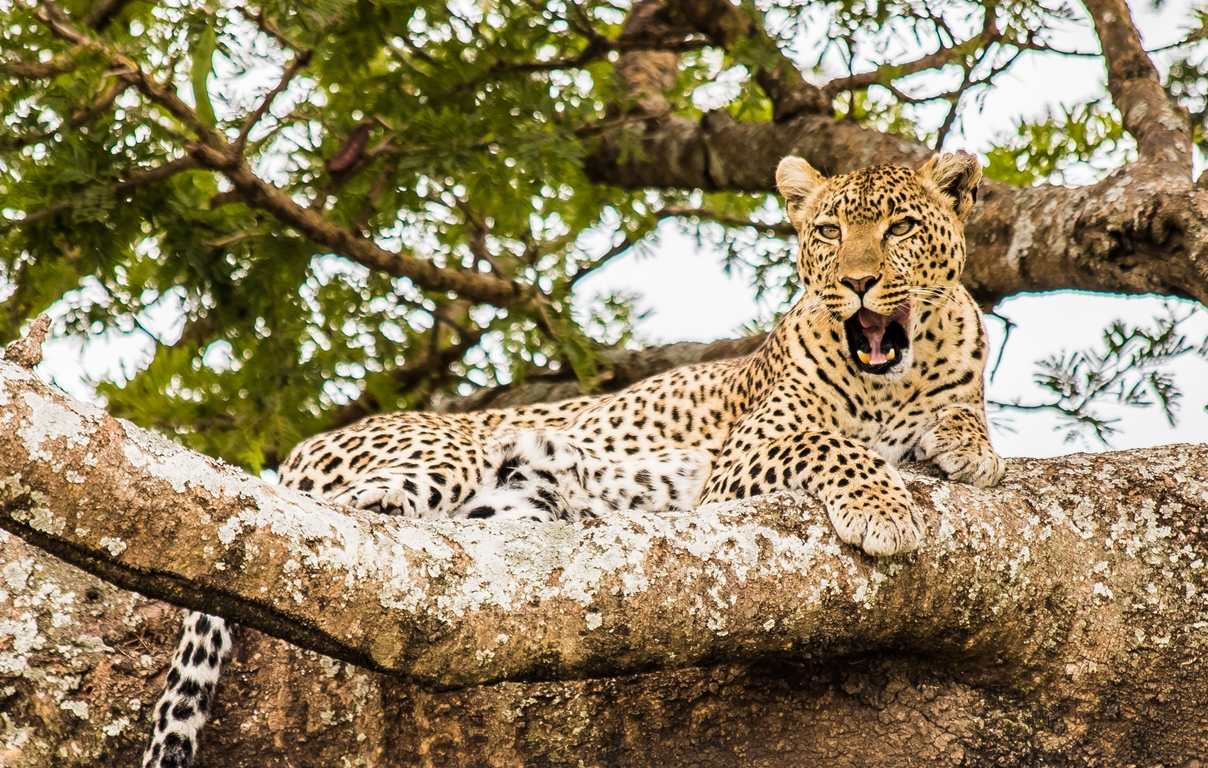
x: 1059, y: 617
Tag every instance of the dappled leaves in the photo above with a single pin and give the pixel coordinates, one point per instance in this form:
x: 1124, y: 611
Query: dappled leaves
x: 1087, y: 135
x: 454, y: 133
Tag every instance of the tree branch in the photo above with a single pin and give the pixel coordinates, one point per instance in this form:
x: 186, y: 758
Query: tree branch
x: 214, y: 152
x: 728, y: 25
x: 35, y: 70
x: 1144, y: 229
x: 103, y: 13
x: 129, y: 184
x: 314, y: 225
x: 1160, y: 128
x: 1067, y: 608
x: 432, y: 367
x: 301, y: 59
x: 783, y: 229
x: 886, y: 74
x: 619, y: 368
x: 1004, y: 574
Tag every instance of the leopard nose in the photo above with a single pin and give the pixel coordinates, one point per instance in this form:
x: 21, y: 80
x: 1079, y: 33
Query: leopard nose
x: 860, y: 284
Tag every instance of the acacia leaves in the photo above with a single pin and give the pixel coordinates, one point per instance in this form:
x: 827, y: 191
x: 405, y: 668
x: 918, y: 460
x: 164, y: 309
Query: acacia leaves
x: 254, y: 171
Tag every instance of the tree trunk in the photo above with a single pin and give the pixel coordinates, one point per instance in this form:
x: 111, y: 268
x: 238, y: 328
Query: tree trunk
x: 1058, y: 619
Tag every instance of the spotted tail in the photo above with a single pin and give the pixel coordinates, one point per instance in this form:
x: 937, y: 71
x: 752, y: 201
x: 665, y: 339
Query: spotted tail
x: 206, y: 643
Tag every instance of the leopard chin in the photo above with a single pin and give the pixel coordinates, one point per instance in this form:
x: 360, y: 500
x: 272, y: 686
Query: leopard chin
x: 878, y: 344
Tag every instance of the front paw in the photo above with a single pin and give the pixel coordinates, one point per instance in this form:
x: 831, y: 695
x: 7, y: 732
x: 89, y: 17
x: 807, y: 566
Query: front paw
x: 385, y: 500
x: 963, y: 459
x: 881, y: 521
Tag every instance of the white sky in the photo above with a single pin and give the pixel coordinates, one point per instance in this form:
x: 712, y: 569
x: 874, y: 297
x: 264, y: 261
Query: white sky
x: 691, y: 298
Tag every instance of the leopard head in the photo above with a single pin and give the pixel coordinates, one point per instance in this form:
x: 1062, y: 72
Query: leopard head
x: 878, y: 244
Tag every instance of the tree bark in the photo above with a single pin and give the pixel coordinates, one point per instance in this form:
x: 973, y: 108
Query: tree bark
x: 1057, y: 619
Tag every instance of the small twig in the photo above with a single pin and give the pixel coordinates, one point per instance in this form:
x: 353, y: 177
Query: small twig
x: 600, y: 261
x: 297, y: 65
x: 261, y: 22
x: 375, y: 193
x: 1008, y: 326
x: 783, y: 229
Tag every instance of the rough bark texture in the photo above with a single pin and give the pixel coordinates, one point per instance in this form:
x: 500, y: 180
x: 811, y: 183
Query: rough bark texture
x: 1059, y: 619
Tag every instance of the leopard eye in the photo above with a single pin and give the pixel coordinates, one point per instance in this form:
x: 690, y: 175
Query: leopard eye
x: 902, y: 227
x: 829, y: 231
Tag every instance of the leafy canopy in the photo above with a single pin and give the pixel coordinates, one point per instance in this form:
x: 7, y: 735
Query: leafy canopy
x: 454, y: 133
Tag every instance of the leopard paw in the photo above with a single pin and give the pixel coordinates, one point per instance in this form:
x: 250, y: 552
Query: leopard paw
x: 963, y: 459
x: 879, y: 524
x: 398, y: 496
x: 958, y: 444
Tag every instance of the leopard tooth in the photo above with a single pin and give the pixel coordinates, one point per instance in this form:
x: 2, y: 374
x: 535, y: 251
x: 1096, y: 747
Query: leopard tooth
x: 892, y: 354
x: 865, y: 357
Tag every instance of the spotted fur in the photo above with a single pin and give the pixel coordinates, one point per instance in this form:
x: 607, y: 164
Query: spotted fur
x: 880, y: 256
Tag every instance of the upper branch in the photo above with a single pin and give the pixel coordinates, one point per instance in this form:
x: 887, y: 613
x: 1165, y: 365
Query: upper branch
x: 726, y: 25
x: 1139, y: 231
x: 301, y: 59
x: 886, y: 74
x: 1160, y: 127
x: 212, y: 150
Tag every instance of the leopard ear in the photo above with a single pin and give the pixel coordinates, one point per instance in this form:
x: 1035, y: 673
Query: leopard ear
x: 955, y: 177
x: 798, y: 182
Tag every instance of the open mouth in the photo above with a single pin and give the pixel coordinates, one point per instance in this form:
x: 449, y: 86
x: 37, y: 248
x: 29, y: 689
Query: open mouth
x: 877, y: 343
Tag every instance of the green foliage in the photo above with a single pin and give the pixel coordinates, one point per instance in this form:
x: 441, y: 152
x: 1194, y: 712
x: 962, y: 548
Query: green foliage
x: 464, y: 127
x: 1187, y: 78
x: 1043, y: 151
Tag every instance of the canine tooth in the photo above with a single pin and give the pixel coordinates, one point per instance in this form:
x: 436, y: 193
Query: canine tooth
x: 865, y: 357
x: 892, y: 354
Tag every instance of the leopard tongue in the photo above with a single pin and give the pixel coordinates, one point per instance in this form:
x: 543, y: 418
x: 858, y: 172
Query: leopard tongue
x: 874, y: 326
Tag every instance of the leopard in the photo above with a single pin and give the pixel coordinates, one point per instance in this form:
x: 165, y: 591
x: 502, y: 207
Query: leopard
x: 880, y: 360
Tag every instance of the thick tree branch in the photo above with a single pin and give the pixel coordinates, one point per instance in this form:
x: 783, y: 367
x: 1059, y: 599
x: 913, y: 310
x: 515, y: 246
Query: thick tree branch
x: 1072, y: 599
x: 1144, y: 229
x: 1160, y: 128
x: 1005, y: 572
